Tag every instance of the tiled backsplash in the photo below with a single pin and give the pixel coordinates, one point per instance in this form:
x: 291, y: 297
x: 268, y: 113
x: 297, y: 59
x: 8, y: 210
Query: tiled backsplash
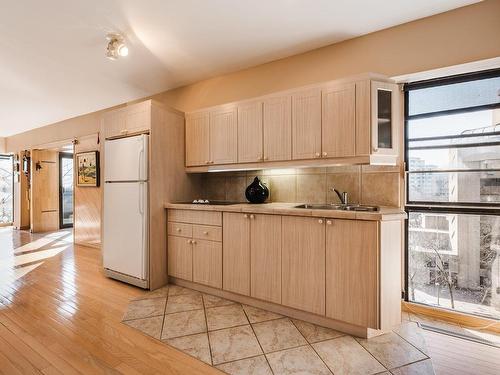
x: 374, y: 185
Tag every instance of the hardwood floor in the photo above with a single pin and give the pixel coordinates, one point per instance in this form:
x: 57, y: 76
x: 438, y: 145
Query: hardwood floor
x: 60, y: 315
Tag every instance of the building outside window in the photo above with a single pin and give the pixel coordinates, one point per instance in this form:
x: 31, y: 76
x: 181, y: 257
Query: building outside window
x: 6, y: 190
x: 453, y: 193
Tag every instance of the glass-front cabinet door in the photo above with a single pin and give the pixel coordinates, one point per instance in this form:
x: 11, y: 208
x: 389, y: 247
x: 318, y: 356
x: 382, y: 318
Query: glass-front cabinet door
x: 385, y: 111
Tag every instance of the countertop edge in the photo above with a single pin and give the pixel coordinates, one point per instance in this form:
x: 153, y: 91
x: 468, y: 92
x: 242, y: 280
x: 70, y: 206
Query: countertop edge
x: 385, y: 213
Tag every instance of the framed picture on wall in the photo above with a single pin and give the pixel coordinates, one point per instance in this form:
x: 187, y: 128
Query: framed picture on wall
x: 87, y: 169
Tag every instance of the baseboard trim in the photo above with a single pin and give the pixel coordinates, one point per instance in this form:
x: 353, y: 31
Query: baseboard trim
x: 280, y: 309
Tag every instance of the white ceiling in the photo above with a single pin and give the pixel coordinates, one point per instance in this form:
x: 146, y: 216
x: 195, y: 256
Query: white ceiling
x: 52, y: 64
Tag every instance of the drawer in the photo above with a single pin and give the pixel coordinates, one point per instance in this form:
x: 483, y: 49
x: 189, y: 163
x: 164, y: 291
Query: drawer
x: 180, y: 229
x: 205, y: 232
x: 195, y: 217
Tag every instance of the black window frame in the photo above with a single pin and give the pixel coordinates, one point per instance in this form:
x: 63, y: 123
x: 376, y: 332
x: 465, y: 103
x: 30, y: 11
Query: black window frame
x: 476, y: 208
x: 12, y: 159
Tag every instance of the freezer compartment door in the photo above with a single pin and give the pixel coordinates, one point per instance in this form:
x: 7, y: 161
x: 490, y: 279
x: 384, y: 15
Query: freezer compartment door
x: 125, y: 228
x: 126, y: 159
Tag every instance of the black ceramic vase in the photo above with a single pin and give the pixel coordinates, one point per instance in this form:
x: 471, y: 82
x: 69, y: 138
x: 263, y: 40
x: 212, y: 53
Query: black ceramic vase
x: 257, y: 192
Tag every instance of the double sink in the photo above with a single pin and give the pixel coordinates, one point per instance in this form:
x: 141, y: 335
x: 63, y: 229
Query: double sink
x: 341, y: 207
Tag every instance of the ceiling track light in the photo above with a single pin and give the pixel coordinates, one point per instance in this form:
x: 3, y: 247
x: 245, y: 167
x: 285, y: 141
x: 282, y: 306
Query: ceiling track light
x: 116, y: 47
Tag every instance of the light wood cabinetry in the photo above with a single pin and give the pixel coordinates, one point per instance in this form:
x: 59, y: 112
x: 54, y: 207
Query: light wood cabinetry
x: 352, y: 287
x: 303, y: 264
x: 236, y: 253
x: 348, y: 121
x: 250, y: 136
x: 306, y: 124
x: 338, y: 116
x: 223, y: 136
x: 265, y: 257
x: 277, y: 128
x: 134, y: 118
x: 194, y: 246
x: 197, y: 139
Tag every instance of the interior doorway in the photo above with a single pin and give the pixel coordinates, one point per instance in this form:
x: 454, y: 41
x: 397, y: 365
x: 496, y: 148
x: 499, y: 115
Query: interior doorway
x: 66, y: 191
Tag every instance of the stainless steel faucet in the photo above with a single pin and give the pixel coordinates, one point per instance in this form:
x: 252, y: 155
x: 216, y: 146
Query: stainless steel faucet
x: 344, y: 196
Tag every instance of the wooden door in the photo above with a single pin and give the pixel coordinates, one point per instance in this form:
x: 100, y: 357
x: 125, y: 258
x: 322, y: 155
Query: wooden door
x: 277, y: 128
x: 207, y: 263
x: 352, y: 272
x: 113, y: 124
x: 250, y: 132
x: 265, y: 250
x: 303, y: 263
x: 306, y: 124
x: 224, y: 136
x: 44, y: 191
x: 197, y: 139
x: 138, y: 117
x: 338, y: 130
x: 236, y: 252
x: 180, y: 257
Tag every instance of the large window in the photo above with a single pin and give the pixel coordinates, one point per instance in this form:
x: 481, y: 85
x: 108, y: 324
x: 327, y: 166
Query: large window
x: 6, y: 190
x: 453, y: 193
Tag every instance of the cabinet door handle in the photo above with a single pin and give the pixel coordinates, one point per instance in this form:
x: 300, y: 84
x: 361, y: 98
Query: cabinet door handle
x: 207, y: 162
x: 329, y: 222
x: 265, y: 157
x: 178, y: 229
x: 320, y: 221
x: 205, y: 233
x: 325, y: 153
x: 189, y: 241
x: 252, y: 217
x: 193, y: 242
x: 375, y: 149
x: 317, y: 154
x: 245, y: 216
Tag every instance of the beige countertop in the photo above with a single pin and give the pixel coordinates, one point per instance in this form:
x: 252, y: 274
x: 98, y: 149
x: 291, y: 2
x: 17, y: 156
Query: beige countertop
x: 385, y: 213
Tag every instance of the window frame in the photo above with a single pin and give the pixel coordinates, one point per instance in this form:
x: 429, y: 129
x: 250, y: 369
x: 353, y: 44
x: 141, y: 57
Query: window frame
x: 12, y: 159
x: 471, y: 208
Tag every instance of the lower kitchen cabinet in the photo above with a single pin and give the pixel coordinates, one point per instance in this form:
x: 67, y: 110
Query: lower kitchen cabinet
x: 303, y: 263
x: 352, y: 272
x: 207, y: 263
x: 265, y: 257
x: 236, y: 253
x: 180, y: 257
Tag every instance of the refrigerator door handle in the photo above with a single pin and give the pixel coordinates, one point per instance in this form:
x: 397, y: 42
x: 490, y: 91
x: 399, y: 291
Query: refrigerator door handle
x: 141, y: 198
x: 141, y: 157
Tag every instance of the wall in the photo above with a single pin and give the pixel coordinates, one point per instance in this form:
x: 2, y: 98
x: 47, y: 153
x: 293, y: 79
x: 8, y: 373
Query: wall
x: 87, y: 201
x: 371, y: 185
x: 2, y: 145
x: 460, y: 36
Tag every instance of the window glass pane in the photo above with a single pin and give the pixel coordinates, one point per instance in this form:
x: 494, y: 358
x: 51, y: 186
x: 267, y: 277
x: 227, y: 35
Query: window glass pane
x: 384, y: 120
x: 464, y: 187
x: 454, y: 262
x: 454, y: 96
x: 6, y: 193
x: 67, y: 190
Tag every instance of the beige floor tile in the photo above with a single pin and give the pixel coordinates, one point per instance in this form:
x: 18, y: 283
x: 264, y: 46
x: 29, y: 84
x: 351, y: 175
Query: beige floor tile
x: 278, y: 335
x: 232, y: 344
x: 175, y: 290
x: 418, y: 368
x: 225, y: 317
x: 145, y: 308
x: 194, y: 345
x: 391, y: 350
x: 184, y: 302
x: 183, y: 323
x: 256, y: 315
x: 250, y: 366
x: 214, y: 301
x: 314, y: 333
x: 302, y: 360
x: 149, y: 326
x: 412, y: 333
x: 160, y: 292
x: 344, y: 355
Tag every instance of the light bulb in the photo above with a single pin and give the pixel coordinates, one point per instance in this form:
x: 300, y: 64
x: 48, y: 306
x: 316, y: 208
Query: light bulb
x: 123, y: 50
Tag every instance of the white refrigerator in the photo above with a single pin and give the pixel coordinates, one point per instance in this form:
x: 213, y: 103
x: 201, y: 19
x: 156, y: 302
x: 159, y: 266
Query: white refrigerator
x: 125, y: 205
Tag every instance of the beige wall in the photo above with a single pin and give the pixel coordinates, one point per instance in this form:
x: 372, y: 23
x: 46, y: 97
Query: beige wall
x: 371, y: 185
x: 460, y: 36
x: 2, y: 145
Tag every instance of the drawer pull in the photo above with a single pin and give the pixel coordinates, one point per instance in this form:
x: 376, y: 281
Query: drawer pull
x: 205, y: 233
x: 329, y: 222
x: 178, y: 229
x: 320, y: 221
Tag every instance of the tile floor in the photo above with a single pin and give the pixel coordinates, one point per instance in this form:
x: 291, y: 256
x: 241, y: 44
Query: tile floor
x: 244, y: 340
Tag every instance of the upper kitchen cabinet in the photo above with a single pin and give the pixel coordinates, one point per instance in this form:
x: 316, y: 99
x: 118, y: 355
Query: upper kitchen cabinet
x: 197, y: 138
x: 306, y: 124
x: 338, y: 118
x: 277, y: 114
x: 224, y: 135
x: 135, y: 118
x: 250, y: 136
x: 384, y: 118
